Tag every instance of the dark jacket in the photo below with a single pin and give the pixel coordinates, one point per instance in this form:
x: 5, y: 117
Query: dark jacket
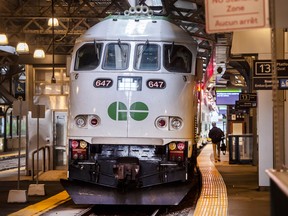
x: 216, y: 134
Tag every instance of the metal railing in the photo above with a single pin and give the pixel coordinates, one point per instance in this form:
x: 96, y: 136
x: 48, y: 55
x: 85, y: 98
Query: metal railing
x: 43, y: 149
x: 240, y: 148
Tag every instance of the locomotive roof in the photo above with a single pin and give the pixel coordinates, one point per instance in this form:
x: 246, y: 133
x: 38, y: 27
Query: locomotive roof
x: 135, y: 27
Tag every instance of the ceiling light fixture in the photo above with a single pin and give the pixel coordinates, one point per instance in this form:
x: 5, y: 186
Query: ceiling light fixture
x: 53, y: 22
x: 3, y: 39
x: 22, y: 48
x: 39, y: 53
x: 53, y: 78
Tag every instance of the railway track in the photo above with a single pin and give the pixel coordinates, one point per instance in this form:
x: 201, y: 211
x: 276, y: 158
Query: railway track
x: 95, y: 210
x: 183, y: 209
x: 7, y: 163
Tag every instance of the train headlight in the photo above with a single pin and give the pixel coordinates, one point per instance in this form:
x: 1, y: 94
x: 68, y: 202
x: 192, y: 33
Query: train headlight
x: 79, y: 149
x: 83, y: 144
x: 161, y: 122
x: 177, y: 151
x: 94, y: 120
x: 74, y: 144
x: 172, y: 146
x: 176, y: 123
x: 81, y: 121
x: 181, y: 146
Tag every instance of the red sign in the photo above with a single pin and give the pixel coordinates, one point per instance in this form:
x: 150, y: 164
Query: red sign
x: 231, y: 15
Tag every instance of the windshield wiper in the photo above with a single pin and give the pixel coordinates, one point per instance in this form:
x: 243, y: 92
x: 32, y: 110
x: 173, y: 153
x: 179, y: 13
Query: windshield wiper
x: 170, y: 52
x: 96, y: 48
x: 144, y: 47
x: 122, y: 50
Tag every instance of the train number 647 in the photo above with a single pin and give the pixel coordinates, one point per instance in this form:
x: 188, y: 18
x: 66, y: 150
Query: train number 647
x: 103, y: 83
x: 156, y: 84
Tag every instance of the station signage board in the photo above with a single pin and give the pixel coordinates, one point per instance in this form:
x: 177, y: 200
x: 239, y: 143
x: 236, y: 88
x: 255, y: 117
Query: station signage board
x: 245, y: 104
x: 262, y: 75
x: 246, y: 100
x: 231, y: 15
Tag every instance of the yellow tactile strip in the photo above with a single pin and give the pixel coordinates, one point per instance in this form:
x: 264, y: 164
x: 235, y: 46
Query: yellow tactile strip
x: 43, y: 206
x: 213, y: 198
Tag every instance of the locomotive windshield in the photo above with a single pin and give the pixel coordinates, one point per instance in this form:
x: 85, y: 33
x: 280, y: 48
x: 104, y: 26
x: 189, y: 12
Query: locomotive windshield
x: 116, y: 56
x: 88, y: 56
x: 147, y: 57
x: 177, y: 58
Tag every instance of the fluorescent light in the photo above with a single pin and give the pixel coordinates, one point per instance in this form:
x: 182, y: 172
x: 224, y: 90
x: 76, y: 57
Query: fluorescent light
x: 39, y: 53
x: 50, y: 22
x: 22, y: 47
x: 3, y: 39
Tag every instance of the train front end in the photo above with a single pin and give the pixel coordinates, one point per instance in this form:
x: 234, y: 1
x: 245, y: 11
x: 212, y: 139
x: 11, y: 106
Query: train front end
x: 132, y: 109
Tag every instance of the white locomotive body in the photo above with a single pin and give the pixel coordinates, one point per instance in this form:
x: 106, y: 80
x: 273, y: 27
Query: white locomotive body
x: 132, y: 103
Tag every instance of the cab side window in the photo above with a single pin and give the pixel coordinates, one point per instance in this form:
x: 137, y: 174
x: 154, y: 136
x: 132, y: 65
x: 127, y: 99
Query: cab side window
x: 177, y: 58
x: 88, y: 56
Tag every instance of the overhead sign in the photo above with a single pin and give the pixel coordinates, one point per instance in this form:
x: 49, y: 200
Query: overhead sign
x: 231, y: 15
x: 283, y: 83
x: 246, y: 100
x: 245, y: 104
x: 250, y: 97
x: 262, y: 76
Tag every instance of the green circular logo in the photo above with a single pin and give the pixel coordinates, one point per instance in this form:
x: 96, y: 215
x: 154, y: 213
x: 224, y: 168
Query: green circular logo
x: 118, y: 111
x: 138, y: 111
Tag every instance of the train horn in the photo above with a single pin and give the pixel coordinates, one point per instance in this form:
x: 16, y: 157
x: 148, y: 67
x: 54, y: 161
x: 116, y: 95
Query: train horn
x: 138, y: 9
x: 132, y: 10
x: 150, y: 12
x: 126, y: 12
x: 145, y: 9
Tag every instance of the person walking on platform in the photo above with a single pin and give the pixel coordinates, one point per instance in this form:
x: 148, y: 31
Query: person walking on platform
x: 216, y: 135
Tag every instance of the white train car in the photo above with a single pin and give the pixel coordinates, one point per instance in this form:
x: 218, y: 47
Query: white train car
x: 132, y: 104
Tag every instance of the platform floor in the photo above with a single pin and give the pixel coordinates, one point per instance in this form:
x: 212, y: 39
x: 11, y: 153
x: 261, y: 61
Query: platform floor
x: 241, y: 181
x: 240, y: 194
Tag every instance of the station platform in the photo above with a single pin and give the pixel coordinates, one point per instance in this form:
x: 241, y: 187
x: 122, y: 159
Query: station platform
x: 227, y: 189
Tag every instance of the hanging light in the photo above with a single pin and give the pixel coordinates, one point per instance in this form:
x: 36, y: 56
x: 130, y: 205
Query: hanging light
x: 39, y: 53
x: 52, y: 21
x: 22, y: 48
x: 3, y: 39
x: 53, y: 24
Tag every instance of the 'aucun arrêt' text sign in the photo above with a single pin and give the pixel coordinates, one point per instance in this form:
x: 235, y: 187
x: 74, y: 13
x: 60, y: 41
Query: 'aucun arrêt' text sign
x: 231, y: 15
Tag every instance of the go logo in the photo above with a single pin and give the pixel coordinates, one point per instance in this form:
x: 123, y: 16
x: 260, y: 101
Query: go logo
x: 118, y: 111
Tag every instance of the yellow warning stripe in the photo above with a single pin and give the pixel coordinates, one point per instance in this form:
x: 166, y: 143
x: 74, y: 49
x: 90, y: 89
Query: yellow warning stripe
x: 43, y: 206
x: 213, y: 199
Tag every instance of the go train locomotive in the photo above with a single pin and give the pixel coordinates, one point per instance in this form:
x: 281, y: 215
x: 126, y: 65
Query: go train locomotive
x: 133, y: 103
